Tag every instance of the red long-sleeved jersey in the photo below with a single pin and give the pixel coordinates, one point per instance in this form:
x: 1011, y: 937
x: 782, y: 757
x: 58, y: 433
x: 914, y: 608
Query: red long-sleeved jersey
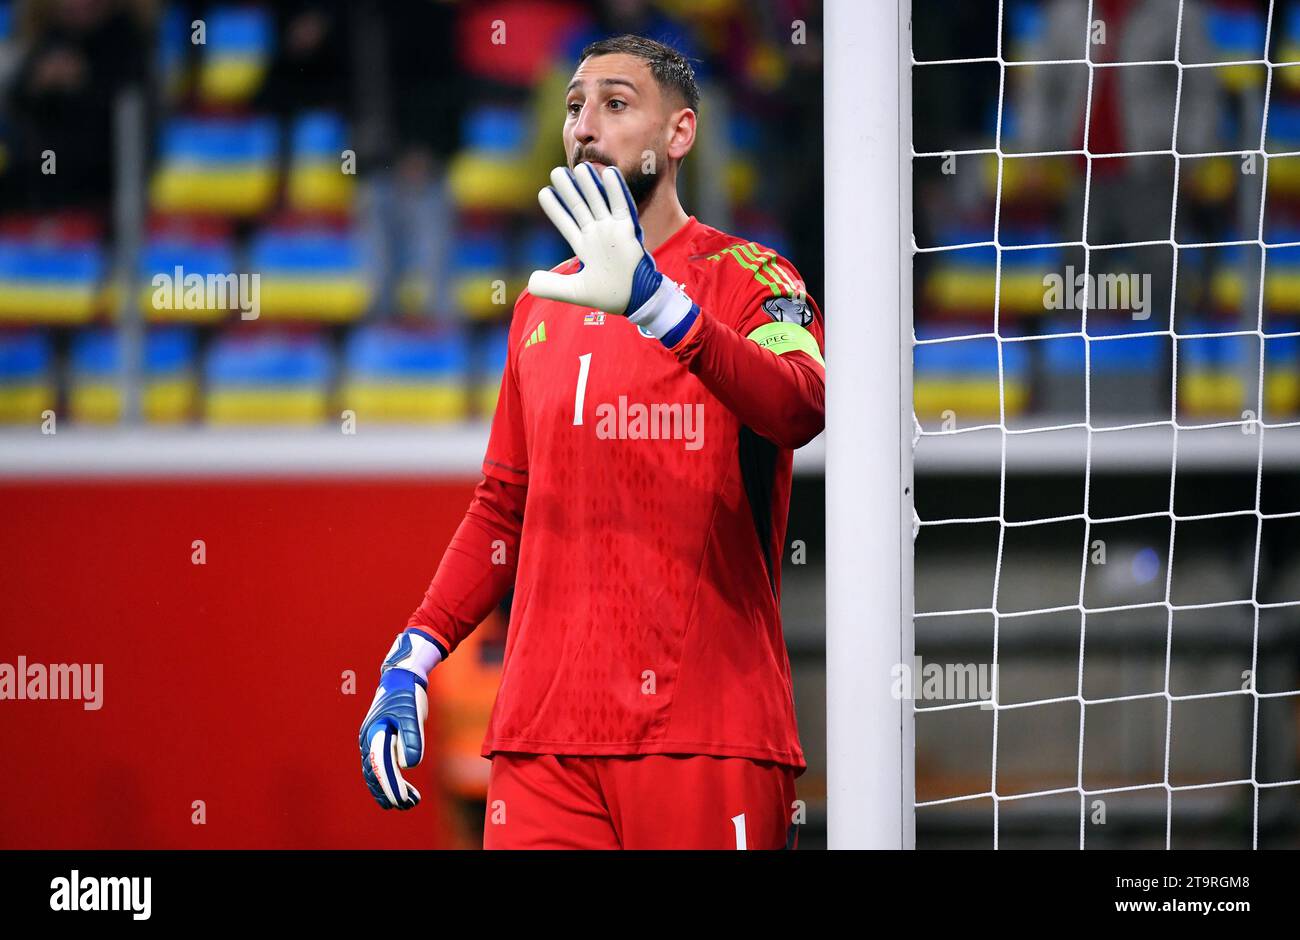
x: 636, y: 496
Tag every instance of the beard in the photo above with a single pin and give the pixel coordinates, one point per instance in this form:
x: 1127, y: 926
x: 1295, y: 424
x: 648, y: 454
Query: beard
x: 641, y: 185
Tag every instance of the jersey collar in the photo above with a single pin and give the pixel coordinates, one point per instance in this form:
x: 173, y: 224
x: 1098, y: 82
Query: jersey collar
x: 681, y: 232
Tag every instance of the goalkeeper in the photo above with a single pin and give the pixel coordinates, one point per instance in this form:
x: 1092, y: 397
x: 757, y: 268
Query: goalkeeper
x: 635, y: 493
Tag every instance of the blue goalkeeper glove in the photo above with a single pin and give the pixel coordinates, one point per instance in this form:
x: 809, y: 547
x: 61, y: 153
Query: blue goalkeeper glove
x: 597, y: 217
x: 392, y: 734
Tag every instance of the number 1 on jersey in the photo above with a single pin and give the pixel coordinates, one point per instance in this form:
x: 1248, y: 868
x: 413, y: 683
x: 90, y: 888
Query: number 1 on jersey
x: 742, y: 842
x: 580, y: 394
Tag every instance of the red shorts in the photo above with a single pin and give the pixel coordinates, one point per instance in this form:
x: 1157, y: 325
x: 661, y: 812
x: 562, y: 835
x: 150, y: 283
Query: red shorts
x: 652, y: 801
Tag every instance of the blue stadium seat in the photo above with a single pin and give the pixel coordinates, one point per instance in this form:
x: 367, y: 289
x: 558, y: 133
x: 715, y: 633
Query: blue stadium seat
x: 1141, y: 355
x: 50, y: 283
x: 962, y: 377
x: 495, y: 129
x: 221, y: 166
x: 402, y: 374
x: 27, y: 383
x: 310, y: 275
x: 487, y: 173
x: 1026, y: 24
x: 170, y: 387
x: 1288, y: 50
x: 960, y: 283
x: 1282, y: 277
x: 1284, y: 124
x: 236, y: 55
x: 1282, y: 375
x: 1236, y: 35
x: 1213, y: 370
x: 493, y: 362
x: 479, y: 260
x: 268, y: 378
x: 166, y: 301
x: 317, y: 182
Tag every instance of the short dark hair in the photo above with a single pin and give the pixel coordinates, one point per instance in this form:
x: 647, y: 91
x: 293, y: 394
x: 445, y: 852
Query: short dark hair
x: 671, y: 69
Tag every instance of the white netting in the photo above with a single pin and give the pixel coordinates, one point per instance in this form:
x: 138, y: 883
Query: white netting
x: 1255, y: 424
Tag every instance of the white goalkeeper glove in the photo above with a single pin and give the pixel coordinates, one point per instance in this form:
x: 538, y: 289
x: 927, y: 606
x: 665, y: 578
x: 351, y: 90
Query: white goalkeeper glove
x: 597, y: 217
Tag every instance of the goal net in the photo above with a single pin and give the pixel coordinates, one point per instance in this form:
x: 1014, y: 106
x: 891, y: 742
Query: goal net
x: 1103, y: 330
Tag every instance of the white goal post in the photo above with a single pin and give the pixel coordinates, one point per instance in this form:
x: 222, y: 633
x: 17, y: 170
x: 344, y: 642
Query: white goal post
x: 868, y: 224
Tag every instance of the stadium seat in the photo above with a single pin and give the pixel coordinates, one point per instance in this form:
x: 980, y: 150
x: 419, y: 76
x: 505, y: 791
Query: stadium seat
x: 961, y: 283
x: 490, y: 173
x: 27, y: 383
x: 223, y: 166
x: 236, y: 55
x: 163, y: 302
x: 268, y: 378
x: 1282, y: 279
x: 402, y: 374
x: 1127, y: 374
x: 1212, y: 179
x: 1282, y: 376
x: 1284, y: 122
x: 310, y: 275
x: 1236, y: 36
x: 1026, y: 25
x: 170, y: 387
x: 316, y: 180
x: 1228, y: 285
x: 962, y: 377
x: 479, y: 261
x: 494, y: 355
x: 1023, y: 291
x: 1030, y: 181
x: 1289, y: 51
x: 50, y: 283
x: 1212, y: 372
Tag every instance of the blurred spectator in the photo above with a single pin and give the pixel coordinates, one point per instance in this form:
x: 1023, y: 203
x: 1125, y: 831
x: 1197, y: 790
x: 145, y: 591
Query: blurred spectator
x: 412, y: 102
x: 79, y: 55
x: 1132, y: 107
x: 773, y: 59
x: 312, y: 64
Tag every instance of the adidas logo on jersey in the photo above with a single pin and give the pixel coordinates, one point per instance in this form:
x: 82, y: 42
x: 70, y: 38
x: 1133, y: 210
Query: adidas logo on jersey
x: 538, y: 335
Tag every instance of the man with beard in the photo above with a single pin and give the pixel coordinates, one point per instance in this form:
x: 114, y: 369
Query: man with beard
x: 655, y: 388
